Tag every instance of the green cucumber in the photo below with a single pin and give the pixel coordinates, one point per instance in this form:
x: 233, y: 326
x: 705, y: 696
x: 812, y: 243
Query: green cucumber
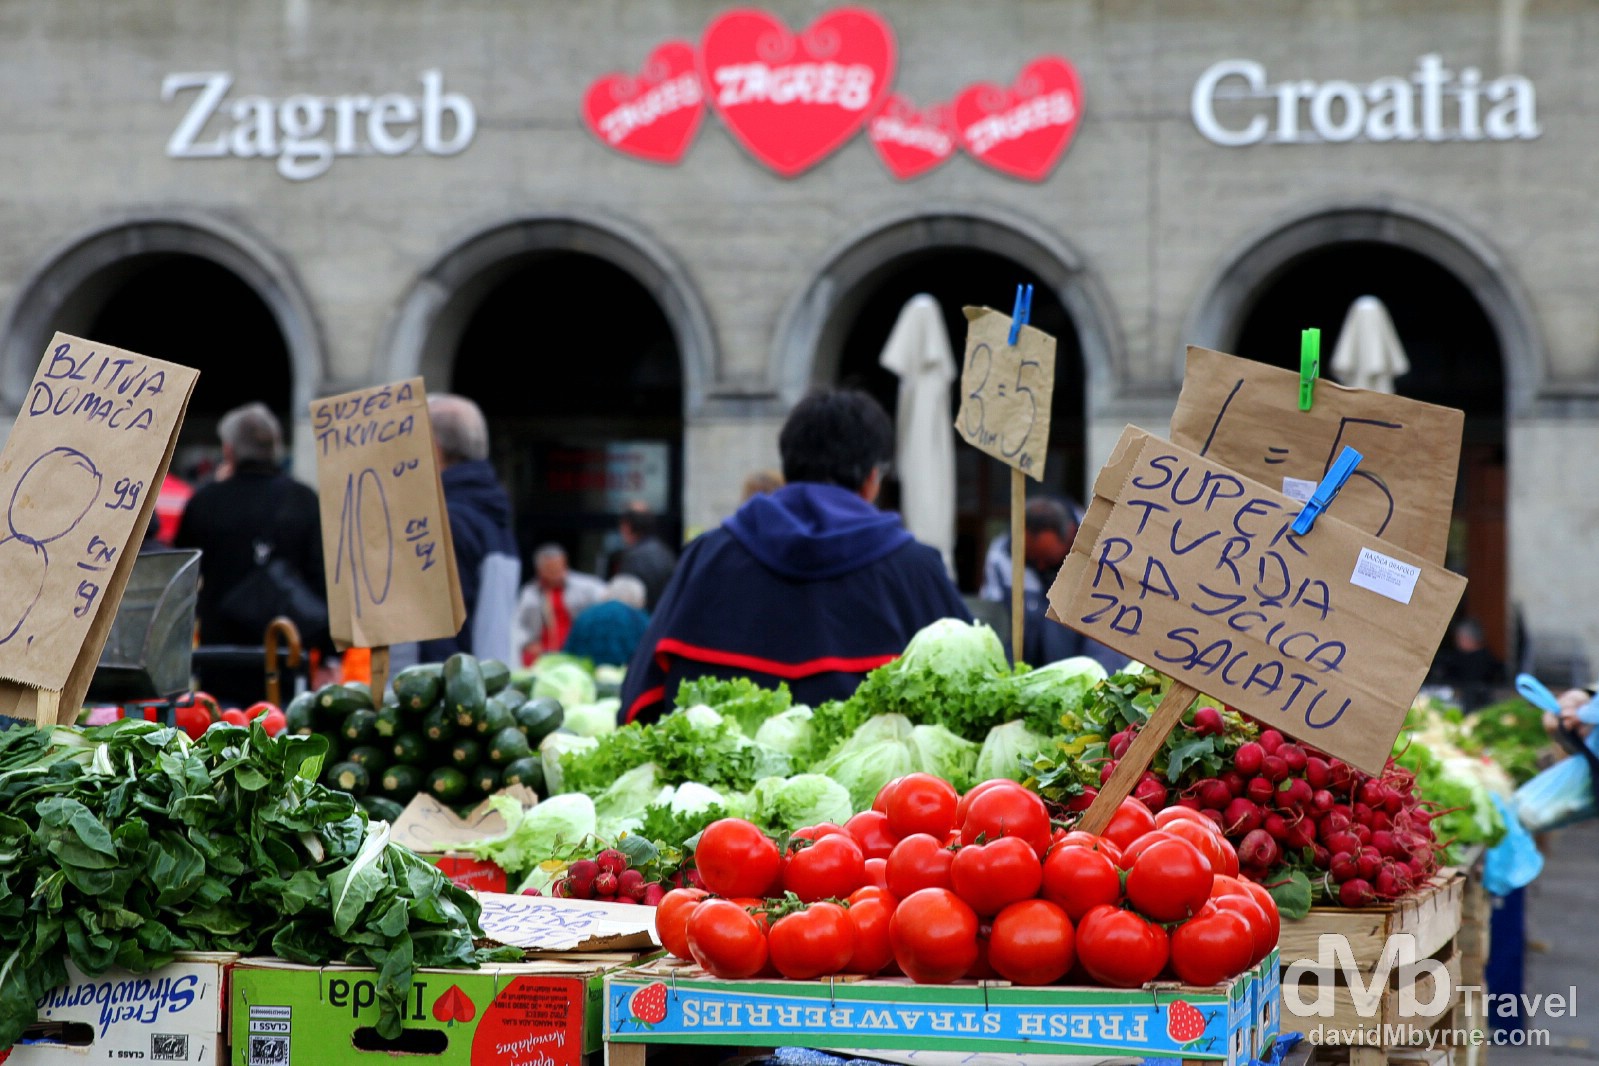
x: 360, y: 727
x: 486, y: 779
x: 464, y: 694
x: 350, y: 777
x: 419, y: 687
x: 466, y: 753
x: 300, y: 715
x: 496, y: 675
x: 438, y: 725
x: 403, y: 782
x: 509, y: 745
x: 387, y: 722
x: 447, y: 784
x: 495, y: 717
x: 410, y: 749
x: 335, y: 702
x: 539, y: 717
x: 527, y: 772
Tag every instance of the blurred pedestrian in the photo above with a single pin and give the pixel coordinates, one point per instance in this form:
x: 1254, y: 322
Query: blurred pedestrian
x: 644, y: 554
x: 760, y: 483
x: 608, y: 633
x: 551, y: 602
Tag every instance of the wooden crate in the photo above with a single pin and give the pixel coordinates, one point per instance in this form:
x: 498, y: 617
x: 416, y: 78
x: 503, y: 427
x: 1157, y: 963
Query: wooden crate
x: 1433, y: 915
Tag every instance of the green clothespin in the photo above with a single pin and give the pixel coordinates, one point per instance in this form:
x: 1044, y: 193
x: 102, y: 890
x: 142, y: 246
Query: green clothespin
x: 1309, y: 366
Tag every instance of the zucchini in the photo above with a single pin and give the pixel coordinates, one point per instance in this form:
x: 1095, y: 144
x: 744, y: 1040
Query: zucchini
x: 527, y: 772
x: 402, y: 782
x: 447, y: 784
x: 409, y: 749
x: 382, y: 808
x: 419, y: 687
x: 496, y: 675
x: 438, y: 726
x: 360, y: 727
x: 387, y: 721
x: 372, y: 758
x: 335, y: 702
x: 464, y: 695
x: 350, y: 777
x: 495, y: 717
x: 509, y: 745
x: 300, y: 715
x: 486, y: 779
x: 465, y: 753
x: 539, y: 717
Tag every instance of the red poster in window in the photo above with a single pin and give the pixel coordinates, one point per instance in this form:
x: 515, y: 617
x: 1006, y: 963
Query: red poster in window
x: 793, y: 99
x: 652, y: 115
x: 1023, y: 130
x: 912, y: 142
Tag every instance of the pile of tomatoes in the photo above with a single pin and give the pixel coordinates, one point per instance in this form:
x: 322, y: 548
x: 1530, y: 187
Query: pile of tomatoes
x: 940, y: 887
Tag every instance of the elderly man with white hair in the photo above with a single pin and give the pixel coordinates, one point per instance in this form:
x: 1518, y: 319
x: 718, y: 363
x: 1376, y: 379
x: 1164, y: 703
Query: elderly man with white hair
x: 552, y: 602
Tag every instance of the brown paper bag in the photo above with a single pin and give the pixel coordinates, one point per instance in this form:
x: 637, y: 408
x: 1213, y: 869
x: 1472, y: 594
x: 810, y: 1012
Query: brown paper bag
x: 79, y: 475
x: 1006, y: 391
x: 1245, y: 415
x: 386, y: 543
x: 1192, y: 569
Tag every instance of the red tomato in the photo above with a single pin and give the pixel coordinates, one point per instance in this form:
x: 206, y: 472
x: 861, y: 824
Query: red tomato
x: 814, y: 942
x: 829, y: 868
x: 877, y: 873
x: 921, y: 803
x: 1031, y: 943
x: 1142, y: 844
x: 990, y: 877
x: 1170, y: 881
x: 726, y: 940
x: 256, y: 710
x: 977, y: 790
x: 1227, y: 885
x: 866, y: 892
x: 919, y: 861
x: 934, y: 934
x: 756, y: 907
x: 735, y: 858
x: 671, y: 919
x: 815, y: 832
x: 873, y: 949
x: 1131, y: 821
x: 234, y: 716
x: 880, y: 801
x: 870, y: 830
x: 1079, y: 879
x: 274, y: 722
x: 1120, y: 949
x: 1268, y: 905
x: 1211, y: 947
x: 1007, y: 812
x: 1260, y: 931
x: 1078, y: 838
x: 1177, y: 813
x: 1216, y: 849
x: 192, y: 719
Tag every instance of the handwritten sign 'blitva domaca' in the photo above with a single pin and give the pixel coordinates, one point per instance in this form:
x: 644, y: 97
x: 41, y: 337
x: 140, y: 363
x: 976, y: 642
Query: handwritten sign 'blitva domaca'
x: 78, y: 478
x: 1194, y: 570
x: 1006, y: 390
x: 386, y: 543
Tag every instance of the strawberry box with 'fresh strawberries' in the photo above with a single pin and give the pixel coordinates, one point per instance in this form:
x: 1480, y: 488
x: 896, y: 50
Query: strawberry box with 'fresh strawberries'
x: 671, y: 1002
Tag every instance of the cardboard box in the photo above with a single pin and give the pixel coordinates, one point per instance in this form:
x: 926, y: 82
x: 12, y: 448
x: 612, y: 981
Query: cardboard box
x: 1266, y: 1000
x: 170, y: 1015
x: 434, y: 831
x: 674, y: 1003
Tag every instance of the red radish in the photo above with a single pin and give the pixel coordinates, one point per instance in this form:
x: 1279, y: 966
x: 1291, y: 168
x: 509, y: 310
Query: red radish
x: 611, y: 861
x: 630, y: 883
x: 1356, y: 892
x: 1373, y: 793
x: 1208, y: 723
x: 1241, y: 817
x: 1084, y: 801
x: 1271, y: 740
x: 1234, y: 782
x: 1317, y: 772
x: 1334, y: 821
x: 1293, y: 793
x: 1120, y: 743
x: 604, y: 884
x: 1215, y: 816
x: 1392, y: 881
x: 1151, y: 792
x: 1342, y: 774
x: 1370, y: 861
x: 1343, y: 867
x: 1345, y: 843
x: 1319, y: 855
x: 1259, y: 790
x: 1259, y: 849
x: 1190, y: 802
x: 653, y: 894
x: 1105, y: 770
x: 1248, y: 757
x: 1212, y: 793
x: 1273, y: 769
x: 1301, y: 834
x: 1294, y: 756
x: 1363, y: 832
x: 1321, y: 801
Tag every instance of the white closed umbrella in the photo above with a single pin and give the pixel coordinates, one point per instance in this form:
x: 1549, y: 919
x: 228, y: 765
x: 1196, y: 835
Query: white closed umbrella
x: 1369, y: 355
x: 919, y: 352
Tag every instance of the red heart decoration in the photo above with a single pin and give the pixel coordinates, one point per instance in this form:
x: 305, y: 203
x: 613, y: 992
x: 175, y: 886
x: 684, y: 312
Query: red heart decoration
x: 453, y: 1005
x: 1022, y: 131
x: 912, y: 142
x: 793, y: 100
x: 654, y: 115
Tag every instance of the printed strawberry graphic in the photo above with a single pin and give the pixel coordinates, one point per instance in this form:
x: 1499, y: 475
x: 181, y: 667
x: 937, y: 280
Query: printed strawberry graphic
x: 1184, y: 1022
x: 454, y: 1005
x: 649, y: 1004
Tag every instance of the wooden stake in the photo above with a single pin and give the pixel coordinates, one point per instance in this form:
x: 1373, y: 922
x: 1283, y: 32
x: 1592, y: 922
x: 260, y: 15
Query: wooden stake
x: 48, y: 708
x: 1018, y: 560
x: 1131, y: 766
x: 380, y: 673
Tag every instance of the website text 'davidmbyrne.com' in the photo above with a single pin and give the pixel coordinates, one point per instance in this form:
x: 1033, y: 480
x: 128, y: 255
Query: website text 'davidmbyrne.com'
x: 1427, y: 1010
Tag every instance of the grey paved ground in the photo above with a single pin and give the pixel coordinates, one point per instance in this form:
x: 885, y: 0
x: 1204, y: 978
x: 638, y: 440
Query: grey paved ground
x: 1563, y: 931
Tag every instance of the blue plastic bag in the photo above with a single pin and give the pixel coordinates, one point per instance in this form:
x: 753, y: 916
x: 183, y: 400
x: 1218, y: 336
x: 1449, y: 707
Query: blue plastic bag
x: 1559, y: 795
x: 1513, y: 862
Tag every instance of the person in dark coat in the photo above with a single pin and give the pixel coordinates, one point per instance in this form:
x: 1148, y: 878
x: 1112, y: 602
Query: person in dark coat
x: 608, y: 633
x: 810, y: 585
x: 644, y: 554
x: 486, y: 556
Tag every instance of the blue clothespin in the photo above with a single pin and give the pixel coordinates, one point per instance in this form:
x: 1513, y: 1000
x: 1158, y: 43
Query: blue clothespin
x: 1309, y: 366
x: 1322, y: 498
x: 1021, y: 313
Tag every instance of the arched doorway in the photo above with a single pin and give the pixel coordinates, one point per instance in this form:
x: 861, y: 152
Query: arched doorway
x: 189, y: 291
x: 839, y: 326
x: 583, y: 345
x: 1460, y: 325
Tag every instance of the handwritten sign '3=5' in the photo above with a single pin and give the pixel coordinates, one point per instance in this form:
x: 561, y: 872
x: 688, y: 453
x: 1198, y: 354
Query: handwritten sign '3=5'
x: 1006, y: 390
x: 385, y: 534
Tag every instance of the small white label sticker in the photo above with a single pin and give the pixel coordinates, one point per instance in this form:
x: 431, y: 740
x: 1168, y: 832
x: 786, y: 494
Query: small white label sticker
x: 1297, y: 488
x: 1385, y: 576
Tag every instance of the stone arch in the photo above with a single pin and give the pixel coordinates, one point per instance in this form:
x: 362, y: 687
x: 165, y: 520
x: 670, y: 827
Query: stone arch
x: 1218, y: 315
x: 810, y: 326
x: 64, y: 290
x: 427, y: 328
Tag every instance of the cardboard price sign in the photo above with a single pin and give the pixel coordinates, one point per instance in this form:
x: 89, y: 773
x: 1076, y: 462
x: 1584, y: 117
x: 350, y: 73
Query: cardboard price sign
x: 1244, y: 415
x: 1194, y: 570
x: 79, y: 476
x: 1006, y: 390
x: 385, y: 533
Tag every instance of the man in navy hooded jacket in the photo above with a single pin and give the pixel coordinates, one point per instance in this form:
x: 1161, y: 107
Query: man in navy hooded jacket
x: 810, y: 585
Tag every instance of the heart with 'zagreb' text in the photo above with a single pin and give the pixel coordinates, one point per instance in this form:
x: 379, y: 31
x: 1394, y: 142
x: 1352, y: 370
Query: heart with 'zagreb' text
x: 793, y: 99
x: 911, y: 142
x: 652, y: 115
x: 1023, y: 130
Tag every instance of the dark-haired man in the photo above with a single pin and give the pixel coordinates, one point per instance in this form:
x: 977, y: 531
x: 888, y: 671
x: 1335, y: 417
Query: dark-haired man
x: 644, y: 555
x: 811, y: 584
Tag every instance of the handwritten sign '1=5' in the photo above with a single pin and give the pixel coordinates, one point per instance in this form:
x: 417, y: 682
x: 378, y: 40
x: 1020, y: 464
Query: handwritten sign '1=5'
x: 385, y: 534
x: 1006, y: 390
